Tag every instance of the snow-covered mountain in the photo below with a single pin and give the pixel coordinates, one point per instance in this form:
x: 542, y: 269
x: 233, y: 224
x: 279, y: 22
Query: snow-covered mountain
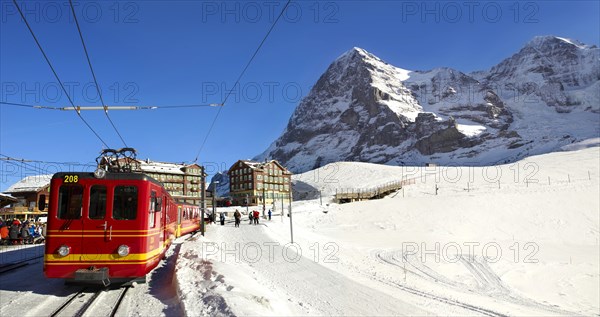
x: 223, y: 184
x: 545, y: 96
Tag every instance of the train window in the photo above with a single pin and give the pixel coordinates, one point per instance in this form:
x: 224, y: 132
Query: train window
x: 125, y: 203
x: 152, y: 210
x: 97, y: 208
x: 158, y: 204
x: 70, y: 199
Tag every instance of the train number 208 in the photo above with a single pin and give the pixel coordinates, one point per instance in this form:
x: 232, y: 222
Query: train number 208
x: 71, y: 179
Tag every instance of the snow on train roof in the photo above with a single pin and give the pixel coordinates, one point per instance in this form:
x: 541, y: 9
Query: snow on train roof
x: 30, y: 184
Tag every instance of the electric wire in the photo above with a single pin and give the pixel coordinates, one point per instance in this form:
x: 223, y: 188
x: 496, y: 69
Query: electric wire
x: 12, y: 161
x: 55, y: 74
x: 79, y: 108
x: 240, y: 77
x: 8, y: 158
x: 94, y: 74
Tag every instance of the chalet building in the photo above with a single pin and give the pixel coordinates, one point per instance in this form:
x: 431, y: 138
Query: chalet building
x: 259, y: 183
x: 26, y: 195
x: 6, y: 200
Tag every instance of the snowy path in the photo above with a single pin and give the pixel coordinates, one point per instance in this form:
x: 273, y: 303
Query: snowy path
x: 308, y: 287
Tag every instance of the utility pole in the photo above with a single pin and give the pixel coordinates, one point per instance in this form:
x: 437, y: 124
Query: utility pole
x: 264, y: 198
x: 321, y: 197
x: 214, y: 199
x: 203, y: 200
x: 214, y: 206
x: 291, y: 226
x: 247, y: 203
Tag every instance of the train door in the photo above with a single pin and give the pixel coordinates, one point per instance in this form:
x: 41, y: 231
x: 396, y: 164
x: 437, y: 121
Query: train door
x: 164, y: 233
x: 178, y: 225
x: 118, y: 223
x: 96, y: 223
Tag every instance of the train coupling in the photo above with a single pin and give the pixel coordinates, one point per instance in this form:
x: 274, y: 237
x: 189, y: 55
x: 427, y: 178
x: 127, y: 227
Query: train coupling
x: 92, y: 275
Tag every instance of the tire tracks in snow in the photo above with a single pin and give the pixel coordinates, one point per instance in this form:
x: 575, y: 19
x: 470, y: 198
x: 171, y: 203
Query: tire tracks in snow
x: 490, y: 283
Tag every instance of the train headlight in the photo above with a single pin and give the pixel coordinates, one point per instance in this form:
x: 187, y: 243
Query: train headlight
x: 64, y: 250
x: 123, y: 250
x: 99, y: 173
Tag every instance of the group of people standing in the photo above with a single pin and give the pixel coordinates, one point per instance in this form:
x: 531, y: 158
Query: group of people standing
x: 253, y: 216
x: 17, y: 232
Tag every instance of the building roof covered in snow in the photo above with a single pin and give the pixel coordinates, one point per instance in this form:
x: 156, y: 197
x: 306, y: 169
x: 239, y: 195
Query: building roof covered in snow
x: 32, y: 183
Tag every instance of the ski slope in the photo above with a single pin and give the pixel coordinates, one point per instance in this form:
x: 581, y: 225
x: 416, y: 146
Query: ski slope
x: 519, y: 239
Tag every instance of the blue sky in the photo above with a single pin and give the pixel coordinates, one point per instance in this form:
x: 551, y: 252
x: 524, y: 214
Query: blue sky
x: 170, y: 53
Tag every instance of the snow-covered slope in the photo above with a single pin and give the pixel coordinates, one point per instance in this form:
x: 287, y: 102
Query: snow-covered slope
x: 362, y: 109
x: 511, y: 240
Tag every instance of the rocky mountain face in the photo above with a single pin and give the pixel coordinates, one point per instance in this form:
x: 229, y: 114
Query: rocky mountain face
x: 362, y: 109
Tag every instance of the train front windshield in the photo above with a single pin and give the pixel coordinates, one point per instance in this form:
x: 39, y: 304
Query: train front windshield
x: 71, y: 197
x: 70, y: 201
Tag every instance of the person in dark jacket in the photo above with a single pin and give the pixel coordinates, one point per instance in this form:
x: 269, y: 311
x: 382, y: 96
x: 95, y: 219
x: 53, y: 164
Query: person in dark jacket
x: 222, y: 218
x: 13, y: 233
x: 25, y: 234
x: 237, y: 217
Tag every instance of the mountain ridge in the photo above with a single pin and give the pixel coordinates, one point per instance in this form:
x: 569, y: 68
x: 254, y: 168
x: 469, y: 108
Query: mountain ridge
x: 364, y: 109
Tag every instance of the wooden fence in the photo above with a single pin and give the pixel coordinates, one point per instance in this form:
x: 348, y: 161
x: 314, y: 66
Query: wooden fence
x: 346, y: 195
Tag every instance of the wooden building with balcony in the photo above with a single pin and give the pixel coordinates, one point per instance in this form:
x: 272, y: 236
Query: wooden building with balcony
x: 259, y: 183
x: 27, y: 193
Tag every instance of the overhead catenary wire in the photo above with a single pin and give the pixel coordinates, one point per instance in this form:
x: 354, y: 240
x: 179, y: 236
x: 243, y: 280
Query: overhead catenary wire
x: 30, y: 167
x: 55, y: 74
x: 94, y: 74
x: 84, y: 108
x: 240, y: 77
x: 21, y: 160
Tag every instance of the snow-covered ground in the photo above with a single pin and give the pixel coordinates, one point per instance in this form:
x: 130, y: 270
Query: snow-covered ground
x: 519, y: 239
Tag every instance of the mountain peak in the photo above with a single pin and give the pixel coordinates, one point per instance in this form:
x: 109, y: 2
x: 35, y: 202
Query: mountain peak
x: 357, y: 53
x: 540, y: 41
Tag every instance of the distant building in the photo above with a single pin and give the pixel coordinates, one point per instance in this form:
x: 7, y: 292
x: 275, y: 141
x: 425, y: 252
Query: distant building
x: 6, y: 200
x: 28, y: 192
x: 185, y: 182
x: 258, y: 183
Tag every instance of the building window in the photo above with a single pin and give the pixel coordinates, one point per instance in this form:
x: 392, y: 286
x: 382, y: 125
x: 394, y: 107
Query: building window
x: 250, y: 186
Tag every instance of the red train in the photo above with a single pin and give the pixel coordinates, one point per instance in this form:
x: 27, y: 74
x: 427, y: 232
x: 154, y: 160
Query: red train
x: 114, y: 227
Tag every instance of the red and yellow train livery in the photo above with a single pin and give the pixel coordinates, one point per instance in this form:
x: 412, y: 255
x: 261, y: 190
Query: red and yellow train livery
x: 111, y: 227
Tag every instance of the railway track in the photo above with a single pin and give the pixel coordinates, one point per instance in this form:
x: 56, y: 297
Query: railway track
x: 92, y: 301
